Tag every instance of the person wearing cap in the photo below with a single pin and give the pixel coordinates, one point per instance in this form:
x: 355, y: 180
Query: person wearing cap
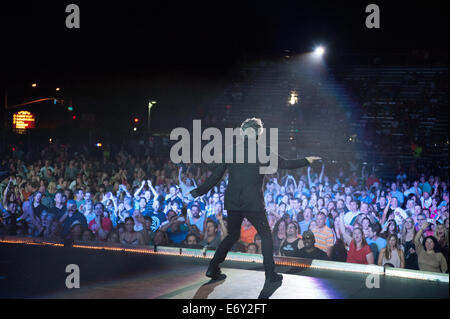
x: 70, y: 216
x: 309, y: 250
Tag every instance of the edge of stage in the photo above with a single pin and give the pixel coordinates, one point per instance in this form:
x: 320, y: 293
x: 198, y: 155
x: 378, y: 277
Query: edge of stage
x: 149, y: 272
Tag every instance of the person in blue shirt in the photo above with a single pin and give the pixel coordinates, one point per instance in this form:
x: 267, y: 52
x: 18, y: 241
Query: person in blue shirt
x: 176, y: 227
x: 374, y: 238
x: 397, y: 194
x: 307, y: 218
x: 156, y: 214
x: 365, y: 197
x: 197, y: 217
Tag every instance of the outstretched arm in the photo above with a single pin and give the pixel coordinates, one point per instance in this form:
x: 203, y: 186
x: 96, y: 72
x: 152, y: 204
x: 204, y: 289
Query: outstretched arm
x: 295, y: 163
x: 321, y: 173
x: 212, y: 180
x: 138, y: 191
x: 295, y: 183
x: 180, y: 181
x: 309, y: 177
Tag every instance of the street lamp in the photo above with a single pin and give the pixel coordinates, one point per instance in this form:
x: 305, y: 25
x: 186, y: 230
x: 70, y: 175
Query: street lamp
x: 150, y: 105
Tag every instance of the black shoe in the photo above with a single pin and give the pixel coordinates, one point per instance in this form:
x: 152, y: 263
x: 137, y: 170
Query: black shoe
x: 269, y: 288
x: 274, y: 277
x: 215, y: 273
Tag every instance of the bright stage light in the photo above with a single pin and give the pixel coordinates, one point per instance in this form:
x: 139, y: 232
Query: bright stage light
x: 294, y: 98
x: 319, y: 50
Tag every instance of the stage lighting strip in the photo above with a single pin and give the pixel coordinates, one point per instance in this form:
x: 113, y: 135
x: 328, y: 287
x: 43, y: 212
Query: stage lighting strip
x: 243, y: 257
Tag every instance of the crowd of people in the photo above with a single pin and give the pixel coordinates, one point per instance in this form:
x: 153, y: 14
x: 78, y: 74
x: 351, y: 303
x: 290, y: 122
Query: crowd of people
x: 140, y: 200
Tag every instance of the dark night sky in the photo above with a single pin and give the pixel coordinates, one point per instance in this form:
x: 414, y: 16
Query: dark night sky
x: 125, y: 48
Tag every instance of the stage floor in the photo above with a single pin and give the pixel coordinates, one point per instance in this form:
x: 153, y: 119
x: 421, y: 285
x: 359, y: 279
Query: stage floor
x: 39, y: 272
x: 248, y: 284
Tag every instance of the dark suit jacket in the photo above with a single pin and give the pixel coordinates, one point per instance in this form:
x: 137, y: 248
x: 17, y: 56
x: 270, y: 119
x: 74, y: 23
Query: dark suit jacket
x: 245, y: 183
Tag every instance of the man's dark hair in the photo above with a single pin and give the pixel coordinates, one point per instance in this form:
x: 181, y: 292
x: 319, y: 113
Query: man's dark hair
x: 209, y: 220
x: 321, y: 213
x: 356, y: 201
x: 376, y: 228
x: 99, y: 203
x: 309, y: 232
x: 70, y: 194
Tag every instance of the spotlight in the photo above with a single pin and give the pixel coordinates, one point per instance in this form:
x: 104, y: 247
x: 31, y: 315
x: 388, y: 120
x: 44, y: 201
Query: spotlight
x: 319, y: 50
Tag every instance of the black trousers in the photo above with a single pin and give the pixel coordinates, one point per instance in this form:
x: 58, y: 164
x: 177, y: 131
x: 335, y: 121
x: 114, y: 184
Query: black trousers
x: 259, y: 221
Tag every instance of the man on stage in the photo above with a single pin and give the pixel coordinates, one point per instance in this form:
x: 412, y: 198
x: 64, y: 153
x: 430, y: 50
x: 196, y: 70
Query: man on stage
x: 244, y: 198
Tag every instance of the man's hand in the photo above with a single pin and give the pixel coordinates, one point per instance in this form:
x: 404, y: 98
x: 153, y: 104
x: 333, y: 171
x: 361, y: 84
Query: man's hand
x: 425, y: 225
x: 311, y: 159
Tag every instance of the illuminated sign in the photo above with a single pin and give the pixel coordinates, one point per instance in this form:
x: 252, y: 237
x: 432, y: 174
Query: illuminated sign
x: 24, y: 120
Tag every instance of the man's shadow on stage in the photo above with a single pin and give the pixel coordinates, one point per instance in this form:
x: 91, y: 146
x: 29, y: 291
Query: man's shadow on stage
x: 207, y: 288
